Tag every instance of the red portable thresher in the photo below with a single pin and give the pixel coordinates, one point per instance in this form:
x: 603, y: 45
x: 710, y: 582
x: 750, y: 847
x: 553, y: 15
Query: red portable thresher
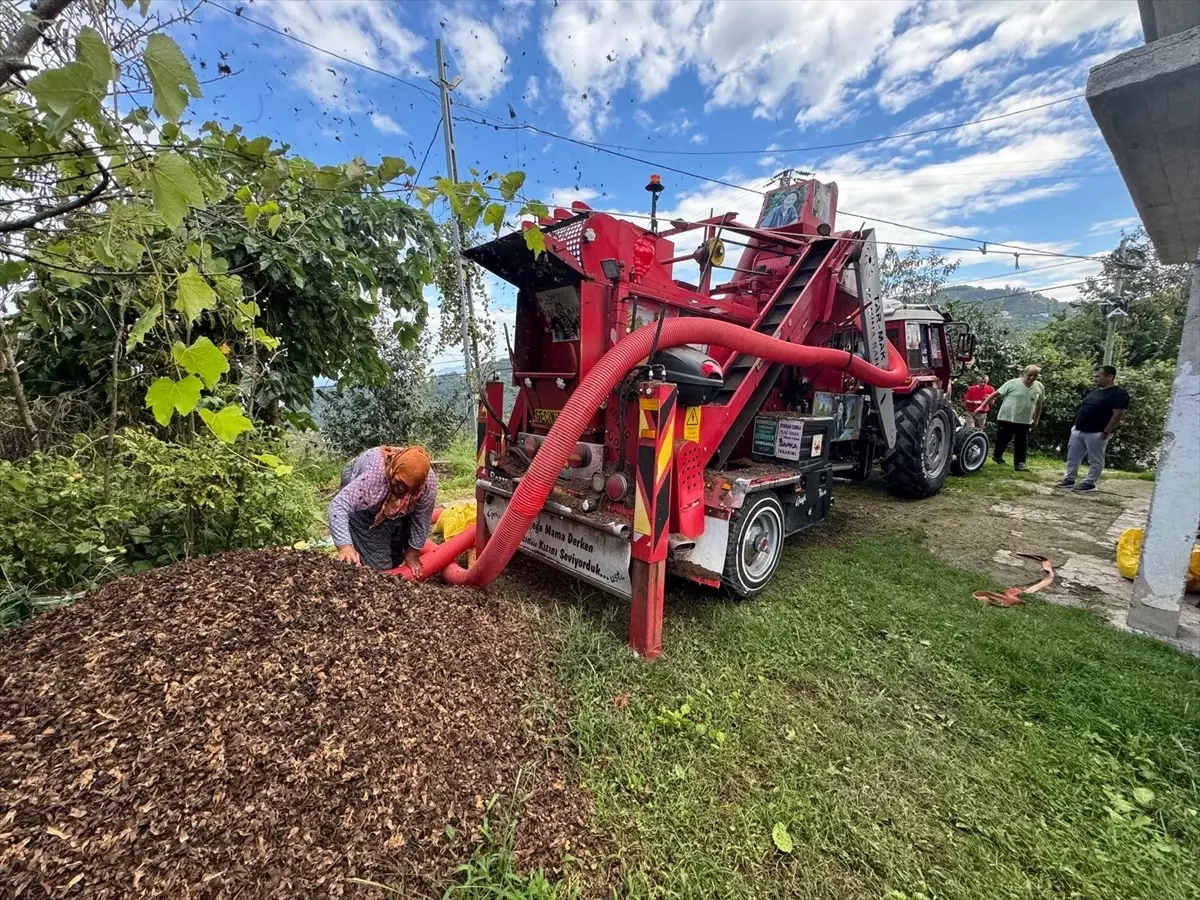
x: 717, y: 413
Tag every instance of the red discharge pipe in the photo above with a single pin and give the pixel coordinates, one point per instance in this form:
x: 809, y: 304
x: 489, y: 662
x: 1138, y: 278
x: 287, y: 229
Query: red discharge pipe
x: 530, y: 496
x: 435, y: 557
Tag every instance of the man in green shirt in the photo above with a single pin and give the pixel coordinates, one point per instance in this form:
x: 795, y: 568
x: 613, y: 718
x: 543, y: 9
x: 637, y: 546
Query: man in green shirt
x: 1020, y: 402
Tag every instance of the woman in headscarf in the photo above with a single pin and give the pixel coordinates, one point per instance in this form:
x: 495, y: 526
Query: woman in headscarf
x: 381, y: 516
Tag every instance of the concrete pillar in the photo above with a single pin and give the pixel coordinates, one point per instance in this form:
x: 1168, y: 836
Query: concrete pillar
x: 1175, y: 507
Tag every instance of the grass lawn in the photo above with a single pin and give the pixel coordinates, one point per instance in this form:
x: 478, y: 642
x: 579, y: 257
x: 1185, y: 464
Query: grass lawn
x: 899, y: 740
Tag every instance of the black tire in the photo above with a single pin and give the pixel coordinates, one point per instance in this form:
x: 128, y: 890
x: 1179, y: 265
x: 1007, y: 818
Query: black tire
x: 920, y: 461
x: 971, y: 447
x: 755, y: 545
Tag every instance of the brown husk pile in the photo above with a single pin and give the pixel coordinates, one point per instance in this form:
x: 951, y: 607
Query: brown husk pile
x: 272, y: 724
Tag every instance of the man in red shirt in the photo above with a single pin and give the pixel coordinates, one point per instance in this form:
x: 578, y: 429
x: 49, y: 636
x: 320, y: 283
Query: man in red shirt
x: 976, y: 394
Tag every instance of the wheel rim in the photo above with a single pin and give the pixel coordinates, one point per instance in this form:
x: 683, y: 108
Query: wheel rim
x: 760, y: 544
x: 937, y: 446
x: 972, y: 455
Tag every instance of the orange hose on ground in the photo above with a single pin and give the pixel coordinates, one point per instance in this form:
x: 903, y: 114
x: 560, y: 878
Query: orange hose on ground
x: 435, y: 557
x: 529, y: 498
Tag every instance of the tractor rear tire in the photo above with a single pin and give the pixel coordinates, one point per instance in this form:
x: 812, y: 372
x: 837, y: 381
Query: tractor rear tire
x: 755, y: 545
x: 971, y: 447
x: 920, y: 461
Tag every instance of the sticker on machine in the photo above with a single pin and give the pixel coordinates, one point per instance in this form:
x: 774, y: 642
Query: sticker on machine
x: 587, y: 553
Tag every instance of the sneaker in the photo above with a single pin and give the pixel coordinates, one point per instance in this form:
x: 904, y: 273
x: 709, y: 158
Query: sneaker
x: 1066, y: 483
x: 1084, y: 487
x: 1019, y: 467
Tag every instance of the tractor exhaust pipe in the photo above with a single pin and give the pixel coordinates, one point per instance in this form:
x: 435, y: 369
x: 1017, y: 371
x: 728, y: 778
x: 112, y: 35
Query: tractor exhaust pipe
x: 678, y: 545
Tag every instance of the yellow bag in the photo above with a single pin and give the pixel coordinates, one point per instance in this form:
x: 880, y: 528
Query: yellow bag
x: 456, y: 516
x: 1129, y: 552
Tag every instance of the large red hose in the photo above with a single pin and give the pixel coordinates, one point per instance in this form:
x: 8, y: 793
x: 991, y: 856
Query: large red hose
x: 530, y: 496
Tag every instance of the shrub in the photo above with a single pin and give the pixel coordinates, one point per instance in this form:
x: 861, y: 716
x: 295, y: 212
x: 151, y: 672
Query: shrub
x: 165, y: 501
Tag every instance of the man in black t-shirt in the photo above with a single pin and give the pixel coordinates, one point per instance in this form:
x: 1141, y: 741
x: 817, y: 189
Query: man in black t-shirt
x: 1098, y: 417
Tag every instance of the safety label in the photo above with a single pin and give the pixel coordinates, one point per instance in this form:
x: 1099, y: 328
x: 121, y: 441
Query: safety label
x: 587, y: 553
x: 691, y: 424
x: 788, y: 435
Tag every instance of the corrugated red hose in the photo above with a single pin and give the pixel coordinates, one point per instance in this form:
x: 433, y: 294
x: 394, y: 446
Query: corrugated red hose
x: 596, y: 386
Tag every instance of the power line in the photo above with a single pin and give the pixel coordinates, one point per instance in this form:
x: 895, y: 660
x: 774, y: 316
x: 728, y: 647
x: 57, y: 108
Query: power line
x: 346, y: 59
x: 421, y: 168
x: 610, y: 149
x: 1070, y: 262
x: 809, y: 149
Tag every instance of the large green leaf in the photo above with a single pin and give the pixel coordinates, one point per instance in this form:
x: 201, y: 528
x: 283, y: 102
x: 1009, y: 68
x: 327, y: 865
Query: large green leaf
x: 511, y: 183
x: 12, y: 271
x: 175, y: 188
x: 171, y: 76
x: 390, y: 168
x: 227, y: 423
x: 535, y: 240
x: 781, y: 837
x: 67, y: 94
x: 494, y: 216
x: 143, y: 326
x: 203, y: 358
x: 91, y: 50
x: 167, y: 397
x: 193, y: 295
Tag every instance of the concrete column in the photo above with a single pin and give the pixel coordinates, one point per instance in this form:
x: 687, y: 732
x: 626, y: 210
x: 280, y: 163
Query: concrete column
x: 1175, y: 507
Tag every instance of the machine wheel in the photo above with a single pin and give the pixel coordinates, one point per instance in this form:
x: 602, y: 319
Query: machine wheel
x: 755, y: 545
x: 920, y: 461
x: 971, y: 447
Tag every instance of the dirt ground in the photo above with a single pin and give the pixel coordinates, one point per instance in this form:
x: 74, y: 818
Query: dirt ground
x: 270, y: 724
x: 983, y: 526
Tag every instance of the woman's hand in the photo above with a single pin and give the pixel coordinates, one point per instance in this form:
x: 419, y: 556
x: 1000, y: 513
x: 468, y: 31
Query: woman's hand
x: 412, y: 559
x: 349, y: 554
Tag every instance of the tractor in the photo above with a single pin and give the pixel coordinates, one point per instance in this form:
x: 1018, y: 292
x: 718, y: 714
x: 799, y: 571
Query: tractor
x: 681, y: 411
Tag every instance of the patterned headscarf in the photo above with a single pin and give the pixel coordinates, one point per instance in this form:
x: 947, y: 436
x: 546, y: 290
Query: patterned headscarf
x: 406, y: 469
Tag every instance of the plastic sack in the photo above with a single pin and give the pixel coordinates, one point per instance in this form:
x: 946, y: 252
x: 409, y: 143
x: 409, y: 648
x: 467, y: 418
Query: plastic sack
x: 1129, y: 552
x: 457, y: 516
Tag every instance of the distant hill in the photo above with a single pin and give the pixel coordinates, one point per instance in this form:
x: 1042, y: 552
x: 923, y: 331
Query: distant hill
x: 1025, y: 311
x: 453, y: 384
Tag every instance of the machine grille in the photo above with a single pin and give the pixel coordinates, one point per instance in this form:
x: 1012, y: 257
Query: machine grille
x: 570, y: 232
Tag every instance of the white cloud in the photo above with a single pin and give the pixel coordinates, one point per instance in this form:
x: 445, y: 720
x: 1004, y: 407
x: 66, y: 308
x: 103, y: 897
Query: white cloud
x: 481, y: 59
x: 644, y: 119
x: 699, y: 138
x: 533, y: 90
x: 1114, y: 226
x: 765, y: 161
x: 370, y: 33
x: 563, y: 196
x: 806, y: 59
x: 386, y: 123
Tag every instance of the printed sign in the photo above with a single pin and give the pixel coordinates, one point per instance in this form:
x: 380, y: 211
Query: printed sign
x: 691, y: 424
x: 788, y: 435
x: 764, y: 437
x: 817, y: 445
x: 560, y: 306
x: 545, y: 416
x: 587, y: 553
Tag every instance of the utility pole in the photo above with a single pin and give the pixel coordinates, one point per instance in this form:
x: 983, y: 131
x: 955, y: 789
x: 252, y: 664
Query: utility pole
x: 467, y: 313
x: 1126, y: 260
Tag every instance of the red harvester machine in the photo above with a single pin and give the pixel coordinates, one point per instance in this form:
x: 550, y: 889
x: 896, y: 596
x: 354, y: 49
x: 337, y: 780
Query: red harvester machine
x: 663, y: 426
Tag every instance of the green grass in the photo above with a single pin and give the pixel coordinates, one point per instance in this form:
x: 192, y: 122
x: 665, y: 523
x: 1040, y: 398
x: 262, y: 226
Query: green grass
x: 460, y: 481
x: 911, y: 742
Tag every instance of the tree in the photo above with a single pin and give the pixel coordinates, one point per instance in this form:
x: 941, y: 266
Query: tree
x: 402, y: 409
x: 915, y: 277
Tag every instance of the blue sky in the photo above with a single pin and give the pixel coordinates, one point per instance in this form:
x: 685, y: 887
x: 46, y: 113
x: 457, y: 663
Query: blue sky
x: 735, y: 90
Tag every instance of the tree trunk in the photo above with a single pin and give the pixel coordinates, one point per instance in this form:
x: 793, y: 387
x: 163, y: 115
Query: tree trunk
x: 12, y: 57
x: 112, y: 410
x: 9, y: 363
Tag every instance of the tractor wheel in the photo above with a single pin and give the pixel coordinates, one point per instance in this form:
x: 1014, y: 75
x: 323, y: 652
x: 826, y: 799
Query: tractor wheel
x: 970, y: 450
x: 920, y: 461
x: 755, y: 545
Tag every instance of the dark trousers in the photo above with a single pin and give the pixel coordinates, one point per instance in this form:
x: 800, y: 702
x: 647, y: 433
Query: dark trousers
x: 1018, y: 434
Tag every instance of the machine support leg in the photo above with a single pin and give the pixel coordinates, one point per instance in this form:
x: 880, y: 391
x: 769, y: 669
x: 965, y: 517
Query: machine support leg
x: 651, y: 514
x: 488, y: 439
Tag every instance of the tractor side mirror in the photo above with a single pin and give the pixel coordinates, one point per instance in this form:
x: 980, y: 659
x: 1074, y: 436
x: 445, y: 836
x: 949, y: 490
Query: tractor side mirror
x: 966, y: 346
